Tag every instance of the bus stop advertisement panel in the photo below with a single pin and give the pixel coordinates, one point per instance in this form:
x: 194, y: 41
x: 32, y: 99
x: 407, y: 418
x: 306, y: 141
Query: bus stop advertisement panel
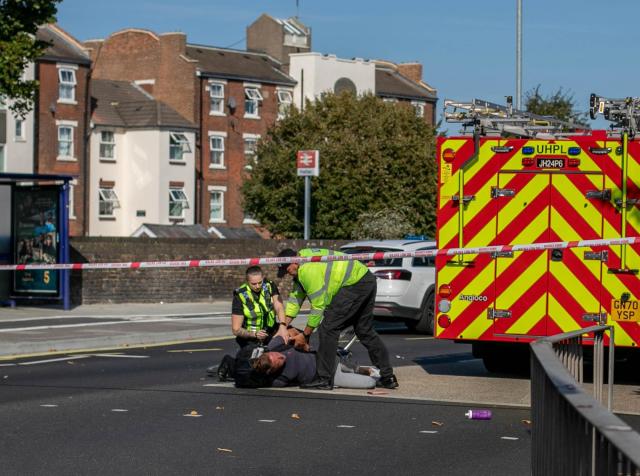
x: 39, y: 235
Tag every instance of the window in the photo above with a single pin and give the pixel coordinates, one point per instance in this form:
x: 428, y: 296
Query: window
x: 216, y: 93
x: 178, y: 146
x: 418, y: 106
x: 178, y: 202
x: 3, y: 103
x: 250, y: 148
x: 389, y: 100
x: 216, y: 146
x: 216, y: 204
x: 285, y: 99
x: 20, y: 130
x: 108, y: 200
x: 380, y: 263
x: 2, y: 166
x: 66, y: 85
x: 65, y: 142
x: 72, y: 188
x: 252, y: 98
x: 107, y: 145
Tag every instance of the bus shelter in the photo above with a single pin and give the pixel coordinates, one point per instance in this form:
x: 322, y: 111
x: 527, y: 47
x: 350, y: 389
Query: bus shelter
x: 34, y: 229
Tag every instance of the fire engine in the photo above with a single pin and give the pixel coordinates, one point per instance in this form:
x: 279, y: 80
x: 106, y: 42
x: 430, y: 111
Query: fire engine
x: 513, y: 177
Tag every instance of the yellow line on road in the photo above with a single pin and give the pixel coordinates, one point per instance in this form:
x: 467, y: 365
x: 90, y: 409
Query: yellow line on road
x: 120, y: 347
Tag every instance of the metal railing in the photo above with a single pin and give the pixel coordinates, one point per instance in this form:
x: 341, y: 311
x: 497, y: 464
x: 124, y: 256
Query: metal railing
x: 572, y: 432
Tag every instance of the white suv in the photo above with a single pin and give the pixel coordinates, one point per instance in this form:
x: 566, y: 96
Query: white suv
x: 406, y: 286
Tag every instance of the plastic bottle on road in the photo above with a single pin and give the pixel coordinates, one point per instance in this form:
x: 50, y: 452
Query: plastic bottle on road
x: 478, y: 414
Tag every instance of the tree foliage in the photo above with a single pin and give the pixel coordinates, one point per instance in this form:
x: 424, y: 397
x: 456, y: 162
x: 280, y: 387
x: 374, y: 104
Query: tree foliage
x: 376, y: 159
x: 19, y: 21
x: 559, y: 104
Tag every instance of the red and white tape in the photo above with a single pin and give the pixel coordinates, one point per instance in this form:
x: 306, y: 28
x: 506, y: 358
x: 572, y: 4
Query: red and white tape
x: 208, y: 263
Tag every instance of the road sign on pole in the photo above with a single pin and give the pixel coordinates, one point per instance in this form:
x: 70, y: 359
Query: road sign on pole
x: 308, y: 163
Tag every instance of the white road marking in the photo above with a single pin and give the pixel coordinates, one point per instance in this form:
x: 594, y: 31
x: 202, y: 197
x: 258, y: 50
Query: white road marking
x: 92, y: 324
x: 266, y: 421
x: 7, y: 365
x: 510, y: 438
x: 221, y: 384
x: 195, y: 350
x: 119, y: 410
x: 125, y: 356
x: 48, y: 405
x: 430, y: 432
x: 61, y: 359
x: 345, y: 426
x: 192, y: 416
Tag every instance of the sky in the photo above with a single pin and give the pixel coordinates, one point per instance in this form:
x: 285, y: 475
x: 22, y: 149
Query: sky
x: 466, y: 47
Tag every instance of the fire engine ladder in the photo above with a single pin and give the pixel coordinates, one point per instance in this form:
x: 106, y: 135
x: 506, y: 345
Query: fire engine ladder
x: 624, y: 114
x: 487, y: 118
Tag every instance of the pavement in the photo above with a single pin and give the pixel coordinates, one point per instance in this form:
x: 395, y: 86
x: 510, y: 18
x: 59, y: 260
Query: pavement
x: 27, y: 332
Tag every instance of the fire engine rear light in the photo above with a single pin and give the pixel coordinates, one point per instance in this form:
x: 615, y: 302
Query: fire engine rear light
x: 444, y: 291
x: 401, y: 274
x: 528, y: 150
x: 574, y: 151
x: 600, y: 150
x: 444, y: 321
x: 573, y: 162
x: 448, y: 155
x: 527, y: 161
x: 502, y: 149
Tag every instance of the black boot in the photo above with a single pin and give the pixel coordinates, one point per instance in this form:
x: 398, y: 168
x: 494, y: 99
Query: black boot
x: 388, y: 382
x: 318, y: 384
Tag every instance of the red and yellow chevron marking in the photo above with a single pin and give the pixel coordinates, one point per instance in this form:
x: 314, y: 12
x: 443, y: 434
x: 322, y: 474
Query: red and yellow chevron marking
x: 545, y: 296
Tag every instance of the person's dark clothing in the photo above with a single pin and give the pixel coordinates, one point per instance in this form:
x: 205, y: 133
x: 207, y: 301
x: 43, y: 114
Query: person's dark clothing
x: 352, y: 306
x: 300, y: 367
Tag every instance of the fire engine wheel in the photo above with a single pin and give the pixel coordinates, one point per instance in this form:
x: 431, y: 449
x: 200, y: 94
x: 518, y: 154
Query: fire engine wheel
x: 425, y: 324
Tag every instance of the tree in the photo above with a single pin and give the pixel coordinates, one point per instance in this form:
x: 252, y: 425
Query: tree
x: 559, y: 104
x: 19, y: 21
x: 376, y: 158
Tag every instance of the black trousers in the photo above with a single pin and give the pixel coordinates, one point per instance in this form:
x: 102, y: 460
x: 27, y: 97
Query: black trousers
x: 351, y: 306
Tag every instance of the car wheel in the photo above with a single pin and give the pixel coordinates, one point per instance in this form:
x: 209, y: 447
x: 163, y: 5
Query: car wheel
x: 427, y: 315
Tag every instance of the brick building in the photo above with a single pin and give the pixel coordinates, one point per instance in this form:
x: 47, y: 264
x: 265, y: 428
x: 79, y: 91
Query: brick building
x: 233, y: 96
x: 61, y: 117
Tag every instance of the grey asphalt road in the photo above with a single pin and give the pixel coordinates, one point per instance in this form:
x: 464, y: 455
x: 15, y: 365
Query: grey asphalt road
x: 131, y: 414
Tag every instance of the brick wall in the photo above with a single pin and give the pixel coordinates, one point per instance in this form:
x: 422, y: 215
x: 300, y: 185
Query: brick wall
x: 234, y: 124
x: 49, y: 110
x: 170, y: 285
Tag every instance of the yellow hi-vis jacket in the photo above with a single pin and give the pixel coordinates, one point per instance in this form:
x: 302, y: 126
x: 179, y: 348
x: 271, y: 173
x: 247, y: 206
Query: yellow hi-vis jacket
x: 320, y: 282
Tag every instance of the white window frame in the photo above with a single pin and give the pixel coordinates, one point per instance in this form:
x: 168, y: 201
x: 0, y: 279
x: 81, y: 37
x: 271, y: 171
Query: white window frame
x: 178, y: 195
x: 108, y: 195
x: 72, y: 202
x: 222, y: 190
x: 21, y: 137
x: 284, y: 105
x: 389, y: 100
x: 419, y: 106
x: 181, y: 139
x: 70, y: 68
x: 71, y: 125
x: 112, y: 144
x: 222, y: 151
x: 220, y: 110
x: 250, y: 158
x: 252, y: 95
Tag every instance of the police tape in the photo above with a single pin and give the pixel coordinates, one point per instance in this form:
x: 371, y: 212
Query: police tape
x: 425, y: 253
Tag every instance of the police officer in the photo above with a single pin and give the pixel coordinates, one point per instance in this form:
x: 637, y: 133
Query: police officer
x: 342, y: 294
x: 256, y: 309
